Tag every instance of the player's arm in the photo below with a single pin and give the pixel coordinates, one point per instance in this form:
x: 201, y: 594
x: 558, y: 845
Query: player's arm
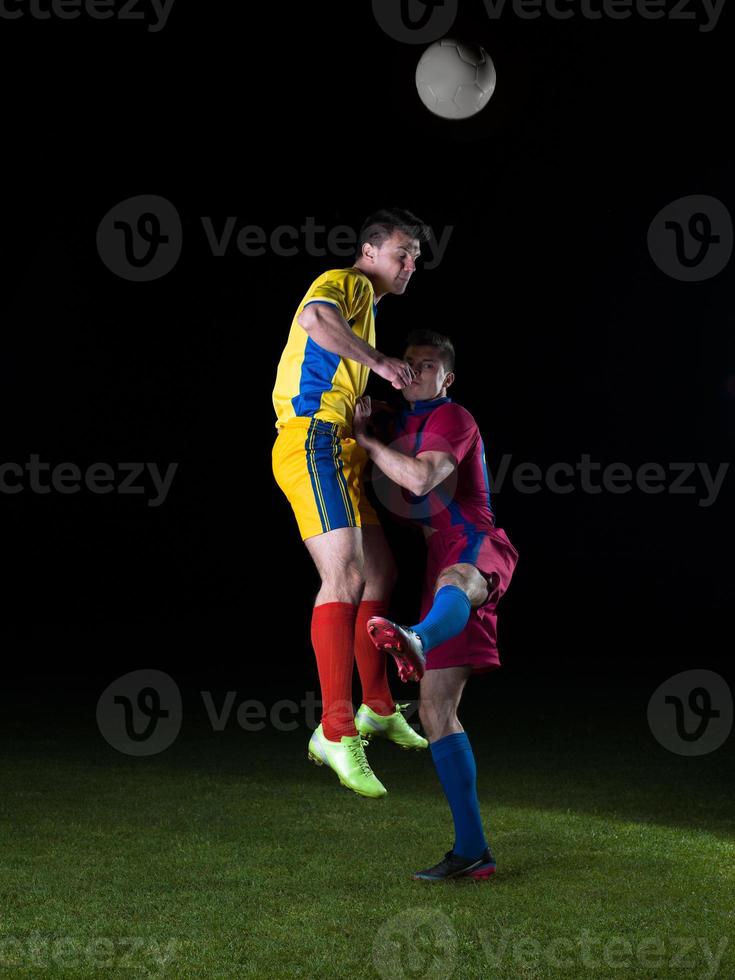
x: 419, y: 475
x: 328, y: 328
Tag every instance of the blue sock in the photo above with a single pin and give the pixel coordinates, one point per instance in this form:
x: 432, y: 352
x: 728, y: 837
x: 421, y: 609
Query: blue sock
x: 455, y: 764
x: 446, y: 618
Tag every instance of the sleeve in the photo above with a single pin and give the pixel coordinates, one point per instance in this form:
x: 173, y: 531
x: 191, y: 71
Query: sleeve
x: 449, y: 429
x: 342, y: 288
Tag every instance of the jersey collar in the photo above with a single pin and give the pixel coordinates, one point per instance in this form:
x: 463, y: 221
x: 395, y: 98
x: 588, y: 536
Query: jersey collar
x: 421, y: 407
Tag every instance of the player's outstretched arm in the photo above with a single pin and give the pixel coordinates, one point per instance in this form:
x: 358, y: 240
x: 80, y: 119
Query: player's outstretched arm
x: 419, y: 475
x: 328, y: 328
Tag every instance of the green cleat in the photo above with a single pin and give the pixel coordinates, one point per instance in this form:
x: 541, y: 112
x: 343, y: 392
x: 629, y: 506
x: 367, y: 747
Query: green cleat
x: 347, y: 758
x: 393, y: 727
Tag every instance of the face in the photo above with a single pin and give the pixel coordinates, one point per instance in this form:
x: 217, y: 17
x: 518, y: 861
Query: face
x: 393, y: 263
x: 432, y: 379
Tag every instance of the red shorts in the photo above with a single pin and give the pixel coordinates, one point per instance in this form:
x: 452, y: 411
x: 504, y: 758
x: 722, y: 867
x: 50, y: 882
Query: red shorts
x: 493, y: 554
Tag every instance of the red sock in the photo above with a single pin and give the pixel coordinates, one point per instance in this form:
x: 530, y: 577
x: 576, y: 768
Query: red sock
x: 371, y: 662
x: 332, y: 636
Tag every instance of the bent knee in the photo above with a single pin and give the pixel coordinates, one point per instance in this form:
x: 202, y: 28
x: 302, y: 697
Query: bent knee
x: 469, y: 579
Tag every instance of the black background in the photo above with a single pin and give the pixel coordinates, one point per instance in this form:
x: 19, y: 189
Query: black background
x: 569, y: 339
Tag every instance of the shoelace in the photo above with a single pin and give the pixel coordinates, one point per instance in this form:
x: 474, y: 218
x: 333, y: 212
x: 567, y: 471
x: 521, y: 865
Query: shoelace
x: 401, y: 708
x: 358, y: 753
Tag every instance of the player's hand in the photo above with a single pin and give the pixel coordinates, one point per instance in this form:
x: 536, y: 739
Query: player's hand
x: 360, y: 424
x: 399, y: 373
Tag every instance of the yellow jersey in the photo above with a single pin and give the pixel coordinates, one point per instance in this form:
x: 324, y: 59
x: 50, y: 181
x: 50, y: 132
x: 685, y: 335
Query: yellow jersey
x: 310, y: 381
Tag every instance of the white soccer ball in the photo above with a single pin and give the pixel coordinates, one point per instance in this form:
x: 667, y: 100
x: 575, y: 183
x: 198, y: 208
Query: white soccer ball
x: 455, y: 80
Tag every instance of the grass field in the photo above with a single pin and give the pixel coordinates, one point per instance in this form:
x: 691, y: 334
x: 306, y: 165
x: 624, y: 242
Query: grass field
x: 228, y: 855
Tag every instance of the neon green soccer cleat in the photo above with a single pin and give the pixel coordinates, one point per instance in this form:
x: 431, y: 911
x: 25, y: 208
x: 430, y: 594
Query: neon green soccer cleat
x: 347, y: 759
x: 393, y: 727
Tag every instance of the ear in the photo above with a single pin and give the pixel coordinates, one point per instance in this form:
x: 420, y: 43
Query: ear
x: 368, y: 251
x: 448, y: 380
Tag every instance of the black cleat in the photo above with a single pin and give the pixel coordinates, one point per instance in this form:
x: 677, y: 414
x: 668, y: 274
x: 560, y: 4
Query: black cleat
x: 455, y: 866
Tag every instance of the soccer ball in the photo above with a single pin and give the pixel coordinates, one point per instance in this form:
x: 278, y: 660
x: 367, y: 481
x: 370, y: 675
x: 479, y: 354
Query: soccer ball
x: 455, y: 80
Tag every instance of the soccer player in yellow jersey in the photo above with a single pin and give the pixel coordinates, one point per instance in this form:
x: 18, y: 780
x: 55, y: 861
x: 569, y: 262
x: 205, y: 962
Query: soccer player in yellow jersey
x: 318, y: 465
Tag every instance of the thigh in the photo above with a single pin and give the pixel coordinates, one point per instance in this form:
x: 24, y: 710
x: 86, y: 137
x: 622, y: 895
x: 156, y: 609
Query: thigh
x: 336, y: 551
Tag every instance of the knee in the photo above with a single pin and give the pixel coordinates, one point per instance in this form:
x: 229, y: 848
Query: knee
x: 451, y: 576
x: 474, y: 586
x: 348, y: 581
x: 353, y: 578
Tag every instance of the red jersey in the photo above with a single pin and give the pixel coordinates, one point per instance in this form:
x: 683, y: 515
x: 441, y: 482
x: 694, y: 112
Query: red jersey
x: 463, y: 499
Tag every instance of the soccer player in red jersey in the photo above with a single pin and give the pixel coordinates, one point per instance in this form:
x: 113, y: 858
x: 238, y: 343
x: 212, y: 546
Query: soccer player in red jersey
x: 438, y: 479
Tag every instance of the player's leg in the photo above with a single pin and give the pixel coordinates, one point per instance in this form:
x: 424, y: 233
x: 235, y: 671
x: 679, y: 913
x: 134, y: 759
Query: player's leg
x: 339, y: 560
x: 312, y: 465
x: 454, y: 761
x: 338, y: 557
x: 378, y: 715
x: 380, y: 579
x: 440, y: 694
x: 459, y: 589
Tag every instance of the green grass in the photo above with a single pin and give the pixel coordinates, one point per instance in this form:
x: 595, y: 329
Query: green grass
x: 228, y: 855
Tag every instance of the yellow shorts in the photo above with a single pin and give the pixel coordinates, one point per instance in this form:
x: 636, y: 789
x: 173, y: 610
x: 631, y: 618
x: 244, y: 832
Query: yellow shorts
x: 319, y: 468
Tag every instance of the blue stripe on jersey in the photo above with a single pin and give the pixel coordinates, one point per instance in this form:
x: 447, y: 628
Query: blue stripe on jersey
x: 472, y: 549
x: 458, y: 519
x: 485, y: 475
x: 317, y: 370
x: 419, y: 437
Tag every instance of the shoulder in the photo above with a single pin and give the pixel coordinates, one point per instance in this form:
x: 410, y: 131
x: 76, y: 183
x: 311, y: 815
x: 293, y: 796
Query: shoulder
x: 450, y: 413
x: 351, y: 279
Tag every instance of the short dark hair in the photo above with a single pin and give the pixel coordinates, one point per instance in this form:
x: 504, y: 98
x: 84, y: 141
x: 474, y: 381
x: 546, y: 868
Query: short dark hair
x: 379, y: 226
x: 430, y: 338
